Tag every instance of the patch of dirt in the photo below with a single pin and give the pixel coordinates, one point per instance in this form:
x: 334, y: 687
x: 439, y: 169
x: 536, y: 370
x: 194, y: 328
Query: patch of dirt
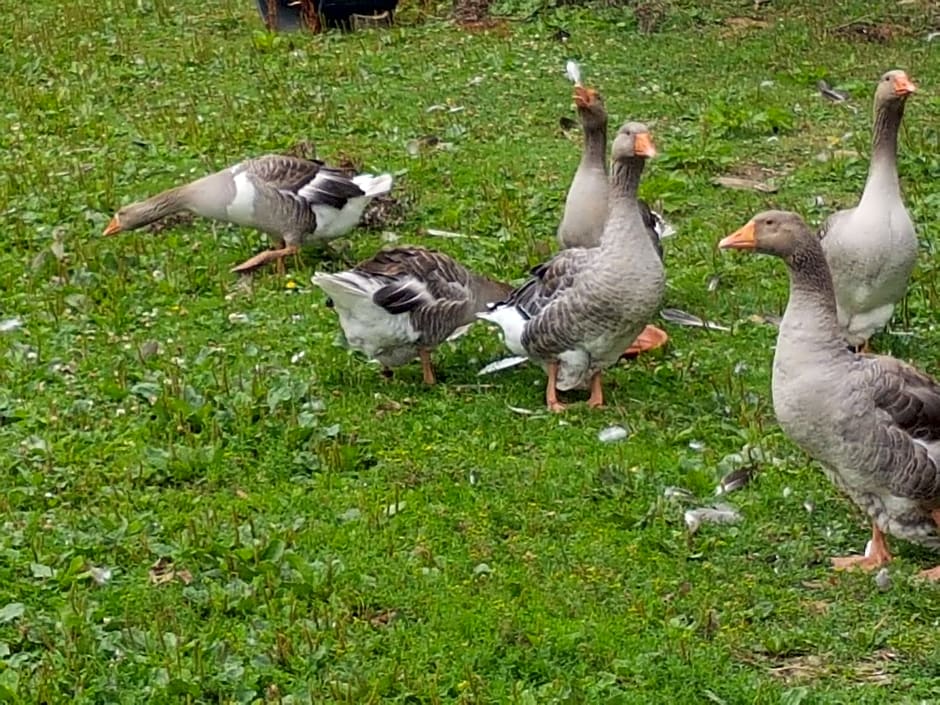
x: 755, y: 172
x: 746, y: 23
x: 802, y: 668
x: 650, y: 14
x: 817, y: 606
x: 472, y: 14
x: 869, y: 32
x: 378, y: 617
x: 750, y: 176
x: 498, y: 27
x: 163, y: 571
x: 384, y: 213
x: 734, y: 182
x: 740, y: 25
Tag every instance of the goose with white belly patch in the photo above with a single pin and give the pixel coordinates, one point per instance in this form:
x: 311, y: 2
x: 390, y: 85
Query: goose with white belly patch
x: 298, y: 202
x: 586, y: 202
x: 404, y: 302
x: 872, y: 248
x: 579, y: 311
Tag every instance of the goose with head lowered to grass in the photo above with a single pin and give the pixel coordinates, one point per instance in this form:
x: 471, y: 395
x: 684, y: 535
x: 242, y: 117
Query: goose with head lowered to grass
x: 404, y: 302
x: 296, y: 201
x: 578, y: 311
x: 872, y: 421
x: 871, y: 248
x: 586, y: 203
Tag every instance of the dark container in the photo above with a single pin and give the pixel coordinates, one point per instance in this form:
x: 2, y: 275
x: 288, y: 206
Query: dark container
x: 333, y: 13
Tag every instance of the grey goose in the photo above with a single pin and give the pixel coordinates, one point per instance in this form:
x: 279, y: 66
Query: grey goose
x: 296, y: 201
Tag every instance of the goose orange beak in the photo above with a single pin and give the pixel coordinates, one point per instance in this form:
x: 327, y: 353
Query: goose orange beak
x: 743, y: 239
x: 903, y: 85
x: 584, y: 97
x: 643, y: 145
x: 114, y: 227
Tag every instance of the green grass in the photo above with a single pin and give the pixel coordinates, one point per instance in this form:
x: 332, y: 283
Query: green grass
x: 523, y: 561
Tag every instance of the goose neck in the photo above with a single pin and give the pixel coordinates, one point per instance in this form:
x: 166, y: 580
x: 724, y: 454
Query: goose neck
x: 811, y: 309
x: 883, y: 170
x: 595, y: 145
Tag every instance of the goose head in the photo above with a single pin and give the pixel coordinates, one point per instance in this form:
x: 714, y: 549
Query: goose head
x: 633, y: 139
x: 894, y: 86
x: 136, y: 215
x: 117, y: 223
x: 590, y: 107
x: 779, y: 233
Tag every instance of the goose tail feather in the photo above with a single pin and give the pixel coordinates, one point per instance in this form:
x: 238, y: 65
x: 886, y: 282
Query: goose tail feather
x: 372, y: 185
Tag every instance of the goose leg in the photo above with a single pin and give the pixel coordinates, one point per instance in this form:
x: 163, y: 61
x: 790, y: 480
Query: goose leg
x: 279, y: 264
x: 551, y: 392
x: 650, y: 339
x: 426, y: 370
x: 876, y: 556
x: 596, y: 400
x: 263, y: 258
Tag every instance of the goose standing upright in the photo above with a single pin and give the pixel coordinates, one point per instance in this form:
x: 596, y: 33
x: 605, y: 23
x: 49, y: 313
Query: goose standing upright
x: 871, y: 248
x: 582, y: 221
x: 580, y: 309
x: 296, y: 201
x: 405, y: 301
x: 872, y: 421
x: 586, y: 204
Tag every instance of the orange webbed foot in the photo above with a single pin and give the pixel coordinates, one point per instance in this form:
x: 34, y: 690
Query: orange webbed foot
x: 649, y: 339
x: 866, y: 563
x: 931, y: 574
x: 876, y: 554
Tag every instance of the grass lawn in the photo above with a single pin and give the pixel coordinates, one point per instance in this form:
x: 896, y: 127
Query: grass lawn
x: 205, y: 498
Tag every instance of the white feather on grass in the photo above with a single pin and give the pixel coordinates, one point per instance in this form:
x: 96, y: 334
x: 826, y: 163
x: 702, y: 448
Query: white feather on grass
x: 719, y: 514
x: 10, y: 324
x: 573, y: 71
x: 503, y: 364
x: 684, y: 318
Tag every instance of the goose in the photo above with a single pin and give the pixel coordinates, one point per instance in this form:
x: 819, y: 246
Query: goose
x: 585, y: 212
x: 871, y: 248
x: 872, y: 421
x: 405, y: 301
x: 296, y: 201
x: 578, y: 311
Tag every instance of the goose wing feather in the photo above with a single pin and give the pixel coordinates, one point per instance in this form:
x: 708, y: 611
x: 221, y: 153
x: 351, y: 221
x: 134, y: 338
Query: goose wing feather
x: 909, y: 445
x: 434, y: 289
x: 281, y: 171
x: 548, y: 281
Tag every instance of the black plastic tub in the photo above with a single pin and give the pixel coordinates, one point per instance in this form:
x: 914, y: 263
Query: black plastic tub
x: 333, y: 13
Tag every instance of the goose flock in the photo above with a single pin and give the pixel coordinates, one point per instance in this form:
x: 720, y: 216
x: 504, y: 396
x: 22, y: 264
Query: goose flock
x: 872, y: 421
